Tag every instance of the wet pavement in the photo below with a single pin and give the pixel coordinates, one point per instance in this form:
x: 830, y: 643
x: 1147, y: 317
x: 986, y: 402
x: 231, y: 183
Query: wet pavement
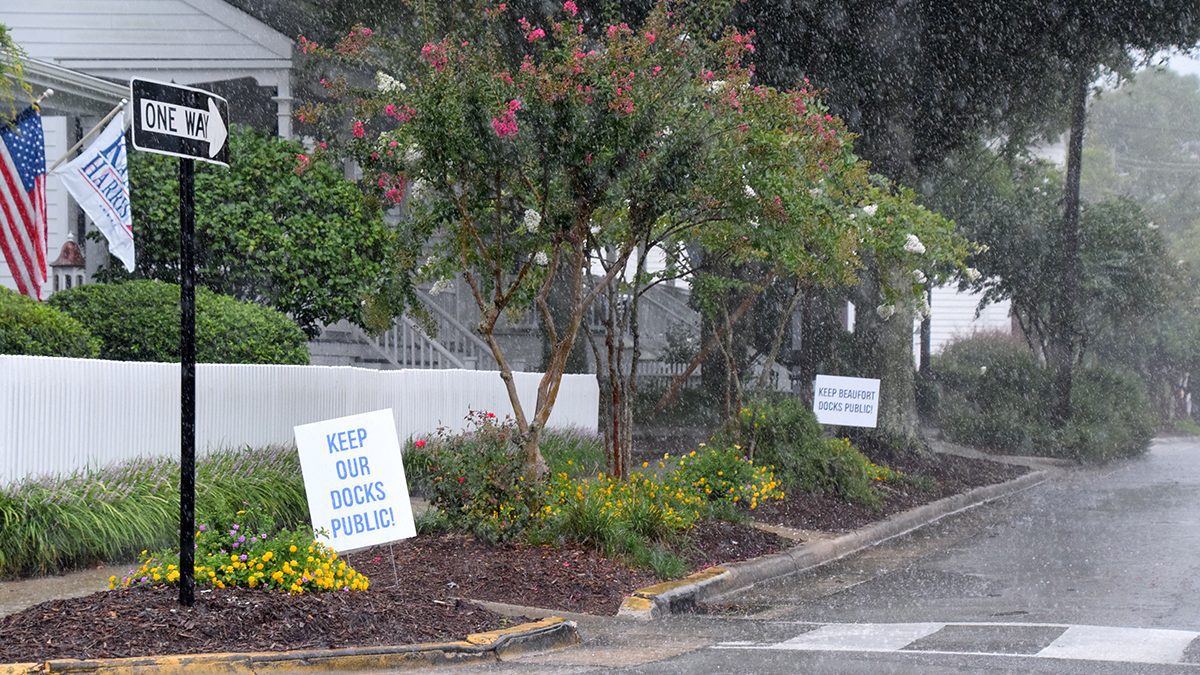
x: 17, y: 595
x: 1095, y: 571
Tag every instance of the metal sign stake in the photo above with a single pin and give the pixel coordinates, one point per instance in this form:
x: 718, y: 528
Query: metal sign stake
x: 187, y: 357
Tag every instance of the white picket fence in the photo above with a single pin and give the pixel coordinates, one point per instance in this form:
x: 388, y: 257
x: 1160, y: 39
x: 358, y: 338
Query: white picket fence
x: 61, y: 415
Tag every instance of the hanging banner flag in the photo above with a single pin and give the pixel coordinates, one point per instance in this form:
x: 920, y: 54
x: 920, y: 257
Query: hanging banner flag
x: 23, y: 201
x: 98, y: 179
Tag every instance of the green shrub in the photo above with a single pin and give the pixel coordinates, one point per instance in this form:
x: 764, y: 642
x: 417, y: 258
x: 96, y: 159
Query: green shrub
x: 1111, y: 416
x: 574, y: 451
x: 783, y: 433
x: 29, y: 327
x: 990, y: 390
x: 58, y: 524
x: 476, y: 479
x: 722, y: 474
x: 139, y: 321
x: 994, y: 393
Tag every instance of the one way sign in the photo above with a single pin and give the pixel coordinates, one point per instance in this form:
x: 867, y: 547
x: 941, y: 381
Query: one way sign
x: 172, y: 119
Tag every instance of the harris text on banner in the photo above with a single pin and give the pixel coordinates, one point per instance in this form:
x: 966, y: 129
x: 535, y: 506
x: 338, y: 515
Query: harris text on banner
x: 98, y: 179
x: 23, y: 201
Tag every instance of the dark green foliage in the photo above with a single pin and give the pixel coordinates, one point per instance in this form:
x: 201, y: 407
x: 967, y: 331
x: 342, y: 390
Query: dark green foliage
x: 305, y: 243
x: 475, y: 479
x: 783, y: 433
x: 985, y: 393
x: 59, y: 524
x: 139, y: 321
x: 1110, y: 416
x: 993, y: 393
x: 29, y: 327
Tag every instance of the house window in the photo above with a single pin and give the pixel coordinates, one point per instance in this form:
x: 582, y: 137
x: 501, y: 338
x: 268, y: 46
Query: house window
x: 79, y: 280
x: 68, y: 282
x: 56, y: 282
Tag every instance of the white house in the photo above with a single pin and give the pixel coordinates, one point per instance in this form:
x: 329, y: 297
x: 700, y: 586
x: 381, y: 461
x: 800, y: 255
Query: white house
x: 87, y: 50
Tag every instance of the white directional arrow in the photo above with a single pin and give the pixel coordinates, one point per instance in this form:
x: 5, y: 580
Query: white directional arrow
x: 184, y: 122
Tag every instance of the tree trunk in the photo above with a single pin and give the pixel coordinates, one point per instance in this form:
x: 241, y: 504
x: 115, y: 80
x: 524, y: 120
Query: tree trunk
x: 818, y: 327
x: 1064, y: 328
x: 764, y: 378
x: 885, y: 351
x: 710, y: 343
x: 560, y: 304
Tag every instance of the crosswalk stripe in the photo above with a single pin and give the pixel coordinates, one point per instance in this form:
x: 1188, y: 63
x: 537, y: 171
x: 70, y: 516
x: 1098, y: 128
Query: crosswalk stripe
x: 1076, y: 642
x: 878, y: 637
x: 1128, y: 645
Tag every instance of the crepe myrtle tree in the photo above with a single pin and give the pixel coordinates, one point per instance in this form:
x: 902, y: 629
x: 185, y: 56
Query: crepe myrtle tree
x: 849, y: 229
x: 738, y: 174
x: 914, y: 249
x: 511, y: 169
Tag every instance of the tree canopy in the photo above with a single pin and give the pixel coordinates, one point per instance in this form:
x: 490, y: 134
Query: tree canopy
x: 308, y: 246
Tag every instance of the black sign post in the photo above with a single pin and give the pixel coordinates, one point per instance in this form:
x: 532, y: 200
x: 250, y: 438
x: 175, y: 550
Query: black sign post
x: 188, y: 123
x: 187, y: 357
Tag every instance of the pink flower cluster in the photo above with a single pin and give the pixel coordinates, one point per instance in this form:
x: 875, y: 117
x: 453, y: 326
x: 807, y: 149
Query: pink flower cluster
x: 401, y: 113
x: 303, y: 161
x: 358, y: 129
x: 745, y: 41
x: 506, y: 124
x: 393, y: 186
x: 434, y: 53
x: 618, y: 29
x: 531, y: 34
x: 355, y: 41
x: 570, y: 8
x: 307, y: 46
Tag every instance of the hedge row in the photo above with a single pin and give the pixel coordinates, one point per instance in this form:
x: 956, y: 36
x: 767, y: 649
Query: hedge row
x: 139, y: 321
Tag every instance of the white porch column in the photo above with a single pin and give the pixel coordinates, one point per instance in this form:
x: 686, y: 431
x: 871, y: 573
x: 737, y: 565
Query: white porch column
x: 283, y: 102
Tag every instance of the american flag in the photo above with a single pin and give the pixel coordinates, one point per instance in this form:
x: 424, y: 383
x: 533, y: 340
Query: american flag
x: 23, y: 201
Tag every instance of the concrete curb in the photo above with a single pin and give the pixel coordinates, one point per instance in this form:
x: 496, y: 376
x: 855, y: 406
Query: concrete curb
x: 683, y: 595
x: 549, y: 633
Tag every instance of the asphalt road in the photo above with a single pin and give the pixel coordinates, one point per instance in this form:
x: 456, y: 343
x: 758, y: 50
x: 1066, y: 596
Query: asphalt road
x: 1095, y: 571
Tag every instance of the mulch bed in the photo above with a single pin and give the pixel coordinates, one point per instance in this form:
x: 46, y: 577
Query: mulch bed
x: 420, y: 597
x: 951, y: 475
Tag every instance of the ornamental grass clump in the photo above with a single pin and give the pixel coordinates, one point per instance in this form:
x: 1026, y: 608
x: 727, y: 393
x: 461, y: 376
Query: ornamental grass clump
x: 59, y: 523
x: 590, y: 511
x: 286, y: 560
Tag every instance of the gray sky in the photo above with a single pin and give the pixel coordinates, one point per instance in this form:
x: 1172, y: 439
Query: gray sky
x: 1185, y: 65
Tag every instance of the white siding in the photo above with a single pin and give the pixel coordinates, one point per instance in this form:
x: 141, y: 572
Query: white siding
x: 954, y: 316
x: 62, y: 415
x: 86, y: 33
x: 58, y: 200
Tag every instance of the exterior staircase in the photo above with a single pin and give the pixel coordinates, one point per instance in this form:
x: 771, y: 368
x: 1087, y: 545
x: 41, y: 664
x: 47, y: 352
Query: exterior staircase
x: 405, y: 344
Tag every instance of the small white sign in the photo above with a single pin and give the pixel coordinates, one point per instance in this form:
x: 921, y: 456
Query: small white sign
x: 846, y: 401
x: 354, y: 478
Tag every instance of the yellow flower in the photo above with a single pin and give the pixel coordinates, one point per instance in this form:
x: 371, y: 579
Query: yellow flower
x: 293, y: 548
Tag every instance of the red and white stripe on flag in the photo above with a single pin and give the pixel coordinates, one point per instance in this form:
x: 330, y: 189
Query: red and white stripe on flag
x: 23, y: 201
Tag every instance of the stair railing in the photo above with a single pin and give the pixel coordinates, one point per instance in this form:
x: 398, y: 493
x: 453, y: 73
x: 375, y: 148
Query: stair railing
x: 405, y: 345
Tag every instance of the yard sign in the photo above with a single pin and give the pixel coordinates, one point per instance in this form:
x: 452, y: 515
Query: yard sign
x: 846, y: 401
x: 354, y: 478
